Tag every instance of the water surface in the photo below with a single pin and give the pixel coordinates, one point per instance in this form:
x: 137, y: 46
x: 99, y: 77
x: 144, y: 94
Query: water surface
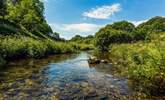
x: 64, y: 77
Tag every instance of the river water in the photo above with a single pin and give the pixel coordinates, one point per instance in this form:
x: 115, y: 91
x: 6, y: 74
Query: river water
x: 64, y: 77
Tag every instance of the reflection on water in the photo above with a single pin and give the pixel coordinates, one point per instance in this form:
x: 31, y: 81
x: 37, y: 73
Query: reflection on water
x: 65, y: 77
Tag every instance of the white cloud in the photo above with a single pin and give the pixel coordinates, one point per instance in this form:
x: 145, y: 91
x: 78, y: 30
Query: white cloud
x: 103, y: 12
x: 85, y: 27
x: 136, y: 23
x: 69, y: 30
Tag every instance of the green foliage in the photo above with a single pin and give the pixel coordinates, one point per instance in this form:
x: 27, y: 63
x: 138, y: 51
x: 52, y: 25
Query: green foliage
x: 83, y: 43
x: 125, y: 32
x: 10, y: 28
x: 3, y: 8
x: 140, y: 34
x: 144, y: 63
x: 77, y: 38
x: 156, y: 24
x: 109, y: 35
x: 86, y: 40
x: 124, y: 26
x: 23, y: 47
x: 27, y: 14
x: 36, y: 49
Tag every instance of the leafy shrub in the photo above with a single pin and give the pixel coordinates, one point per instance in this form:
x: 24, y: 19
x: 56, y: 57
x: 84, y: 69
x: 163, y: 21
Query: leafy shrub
x: 35, y: 49
x: 144, y: 63
x: 118, y: 32
x: 107, y: 37
x: 124, y: 26
x: 140, y: 34
x: 154, y: 25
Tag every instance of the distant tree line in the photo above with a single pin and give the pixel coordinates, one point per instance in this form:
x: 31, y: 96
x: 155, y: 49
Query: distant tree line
x: 80, y: 39
x: 126, y: 32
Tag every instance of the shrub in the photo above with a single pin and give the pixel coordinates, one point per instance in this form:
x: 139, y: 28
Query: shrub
x: 107, y: 37
x: 140, y: 34
x: 35, y: 49
x: 124, y: 26
x: 144, y: 63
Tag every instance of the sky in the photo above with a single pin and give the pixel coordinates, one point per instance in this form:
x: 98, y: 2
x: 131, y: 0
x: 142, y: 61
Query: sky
x: 86, y: 17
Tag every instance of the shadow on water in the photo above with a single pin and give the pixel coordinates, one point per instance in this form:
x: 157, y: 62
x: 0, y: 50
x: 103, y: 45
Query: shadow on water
x: 65, y: 77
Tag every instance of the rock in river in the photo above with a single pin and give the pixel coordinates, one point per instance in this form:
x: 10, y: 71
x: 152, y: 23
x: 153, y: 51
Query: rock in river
x: 104, y: 61
x: 93, y: 60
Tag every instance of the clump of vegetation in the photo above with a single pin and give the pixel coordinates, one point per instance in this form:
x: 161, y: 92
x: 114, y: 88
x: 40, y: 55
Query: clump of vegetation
x: 138, y: 52
x: 83, y: 43
x: 16, y: 47
x: 118, y: 32
x: 144, y: 63
x: 107, y: 37
x: 85, y: 40
x: 126, y: 32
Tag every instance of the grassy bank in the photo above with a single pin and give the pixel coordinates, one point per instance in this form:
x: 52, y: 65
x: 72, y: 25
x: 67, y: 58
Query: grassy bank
x: 25, y: 47
x: 142, y: 62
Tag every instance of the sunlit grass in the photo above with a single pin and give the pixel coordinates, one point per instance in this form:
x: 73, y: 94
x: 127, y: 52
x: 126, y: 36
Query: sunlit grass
x: 142, y: 62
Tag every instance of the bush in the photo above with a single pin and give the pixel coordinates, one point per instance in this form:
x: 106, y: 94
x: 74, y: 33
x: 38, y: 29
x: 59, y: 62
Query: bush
x: 140, y: 34
x: 107, y: 37
x: 118, y: 32
x: 124, y: 26
x: 144, y: 63
x: 35, y: 49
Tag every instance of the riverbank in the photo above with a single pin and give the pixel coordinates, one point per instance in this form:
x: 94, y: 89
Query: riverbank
x: 12, y: 48
x: 142, y: 62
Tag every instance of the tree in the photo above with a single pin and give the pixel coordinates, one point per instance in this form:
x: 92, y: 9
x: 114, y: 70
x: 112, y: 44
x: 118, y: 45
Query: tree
x: 29, y: 14
x: 154, y: 25
x: 118, y: 32
x: 105, y: 38
x: 77, y: 38
x: 124, y: 26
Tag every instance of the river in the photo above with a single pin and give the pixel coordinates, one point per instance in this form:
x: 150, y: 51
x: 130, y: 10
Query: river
x: 64, y: 77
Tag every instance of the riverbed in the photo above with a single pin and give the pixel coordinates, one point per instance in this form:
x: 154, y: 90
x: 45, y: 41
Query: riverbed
x: 64, y: 77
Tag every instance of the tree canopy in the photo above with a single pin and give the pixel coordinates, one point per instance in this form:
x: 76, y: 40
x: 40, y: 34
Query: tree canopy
x: 117, y: 32
x: 28, y: 14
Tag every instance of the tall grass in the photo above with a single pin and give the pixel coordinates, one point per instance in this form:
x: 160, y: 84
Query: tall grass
x: 16, y: 47
x: 25, y: 47
x: 144, y: 63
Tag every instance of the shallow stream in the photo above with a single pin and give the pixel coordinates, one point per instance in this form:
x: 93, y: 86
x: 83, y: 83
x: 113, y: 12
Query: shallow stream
x: 64, y: 77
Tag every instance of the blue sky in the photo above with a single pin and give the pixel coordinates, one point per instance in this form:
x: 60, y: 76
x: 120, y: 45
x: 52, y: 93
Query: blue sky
x: 85, y: 17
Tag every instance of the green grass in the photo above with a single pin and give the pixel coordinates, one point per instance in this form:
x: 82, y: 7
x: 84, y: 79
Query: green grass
x: 16, y: 47
x: 142, y: 62
x: 25, y: 47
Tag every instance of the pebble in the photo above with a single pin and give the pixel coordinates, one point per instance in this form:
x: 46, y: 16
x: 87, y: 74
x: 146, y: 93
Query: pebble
x: 84, y: 84
x: 112, y: 86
